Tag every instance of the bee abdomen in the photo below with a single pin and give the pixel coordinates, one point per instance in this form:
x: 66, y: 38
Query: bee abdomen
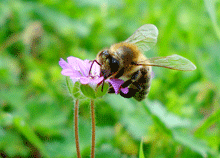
x: 143, y: 82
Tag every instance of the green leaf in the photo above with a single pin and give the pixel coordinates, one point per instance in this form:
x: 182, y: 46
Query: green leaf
x: 6, y: 119
x: 191, y: 142
x: 141, y: 152
x: 210, y: 6
x: 26, y: 130
x: 132, y: 116
x: 69, y: 84
x: 151, y: 109
x: 88, y: 91
x: 13, y: 143
x: 167, y: 118
x: 97, y: 3
x: 100, y: 92
x: 212, y: 66
x: 61, y: 22
x: 76, y: 92
x: 212, y: 119
x: 108, y: 151
x: 167, y: 121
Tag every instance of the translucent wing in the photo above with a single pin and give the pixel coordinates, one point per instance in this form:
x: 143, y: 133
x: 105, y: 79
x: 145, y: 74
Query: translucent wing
x: 144, y: 37
x: 175, y: 62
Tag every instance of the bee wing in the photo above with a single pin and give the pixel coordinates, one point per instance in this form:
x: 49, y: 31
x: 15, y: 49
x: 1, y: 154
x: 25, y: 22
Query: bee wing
x: 144, y: 37
x: 175, y: 62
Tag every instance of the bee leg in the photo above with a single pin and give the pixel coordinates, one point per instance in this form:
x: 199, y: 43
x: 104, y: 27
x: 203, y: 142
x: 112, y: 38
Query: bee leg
x: 132, y: 80
x: 94, y: 61
x: 111, y: 90
x: 120, y: 73
x: 132, y: 91
x: 126, y: 83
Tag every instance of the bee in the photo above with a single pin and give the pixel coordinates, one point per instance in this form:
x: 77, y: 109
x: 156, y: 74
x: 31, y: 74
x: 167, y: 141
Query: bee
x: 126, y: 60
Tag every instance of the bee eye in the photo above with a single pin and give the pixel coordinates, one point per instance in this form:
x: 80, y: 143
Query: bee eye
x: 114, y: 63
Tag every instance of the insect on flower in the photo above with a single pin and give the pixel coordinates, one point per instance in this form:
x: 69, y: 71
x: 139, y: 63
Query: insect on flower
x: 126, y: 60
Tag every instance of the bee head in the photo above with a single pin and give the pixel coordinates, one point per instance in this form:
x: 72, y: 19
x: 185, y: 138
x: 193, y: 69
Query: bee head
x: 109, y: 64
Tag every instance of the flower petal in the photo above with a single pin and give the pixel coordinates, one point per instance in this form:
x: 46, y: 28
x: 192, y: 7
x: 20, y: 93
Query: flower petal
x: 78, y: 70
x: 74, y: 62
x: 97, y: 80
x: 84, y: 80
x: 84, y: 67
x: 67, y: 72
x: 116, y: 83
x: 125, y: 90
x: 64, y: 64
x: 95, y: 71
x: 70, y: 72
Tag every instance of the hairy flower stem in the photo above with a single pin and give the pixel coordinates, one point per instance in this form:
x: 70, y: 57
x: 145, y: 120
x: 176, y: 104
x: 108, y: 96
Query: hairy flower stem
x: 93, y: 128
x: 76, y: 128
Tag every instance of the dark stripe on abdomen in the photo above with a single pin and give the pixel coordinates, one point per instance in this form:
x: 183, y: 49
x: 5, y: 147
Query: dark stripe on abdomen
x: 144, y: 83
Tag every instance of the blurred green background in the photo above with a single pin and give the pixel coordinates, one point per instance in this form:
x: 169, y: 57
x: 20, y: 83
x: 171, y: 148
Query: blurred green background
x: 180, y: 117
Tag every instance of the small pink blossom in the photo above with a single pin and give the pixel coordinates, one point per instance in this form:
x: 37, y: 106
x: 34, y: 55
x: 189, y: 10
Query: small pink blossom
x: 78, y: 70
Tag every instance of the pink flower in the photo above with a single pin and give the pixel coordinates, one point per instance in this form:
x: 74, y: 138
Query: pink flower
x: 78, y: 70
